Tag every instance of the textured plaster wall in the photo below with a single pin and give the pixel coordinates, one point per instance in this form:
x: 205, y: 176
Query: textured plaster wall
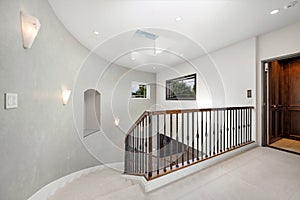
x: 39, y: 141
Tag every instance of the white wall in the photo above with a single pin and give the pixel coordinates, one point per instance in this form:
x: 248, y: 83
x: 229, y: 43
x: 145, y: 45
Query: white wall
x: 275, y: 44
x: 114, y: 84
x: 223, y: 78
x: 40, y: 140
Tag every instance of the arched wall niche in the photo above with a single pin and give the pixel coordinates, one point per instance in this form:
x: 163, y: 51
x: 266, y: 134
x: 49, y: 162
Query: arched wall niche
x: 92, y: 108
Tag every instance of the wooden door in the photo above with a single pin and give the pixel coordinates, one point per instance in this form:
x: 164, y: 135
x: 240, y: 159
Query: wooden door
x: 276, y: 101
x: 293, y: 107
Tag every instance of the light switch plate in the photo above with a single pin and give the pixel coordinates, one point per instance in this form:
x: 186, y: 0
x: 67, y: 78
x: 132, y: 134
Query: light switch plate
x: 11, y: 100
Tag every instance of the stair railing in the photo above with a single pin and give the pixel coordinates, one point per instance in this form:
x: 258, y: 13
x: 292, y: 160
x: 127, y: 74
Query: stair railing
x: 161, y: 142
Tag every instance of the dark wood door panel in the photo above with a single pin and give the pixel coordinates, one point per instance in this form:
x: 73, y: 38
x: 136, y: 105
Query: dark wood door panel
x: 294, y: 83
x: 295, y: 125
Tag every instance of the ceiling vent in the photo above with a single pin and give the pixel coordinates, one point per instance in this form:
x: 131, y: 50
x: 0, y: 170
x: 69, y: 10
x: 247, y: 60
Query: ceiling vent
x: 291, y: 5
x: 145, y: 34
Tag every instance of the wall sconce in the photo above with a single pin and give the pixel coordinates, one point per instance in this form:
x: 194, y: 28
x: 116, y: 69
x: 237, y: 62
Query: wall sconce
x: 65, y: 96
x: 117, y: 121
x: 30, y: 28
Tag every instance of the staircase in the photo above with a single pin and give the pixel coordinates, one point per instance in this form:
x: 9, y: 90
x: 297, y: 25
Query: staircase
x: 161, y: 142
x: 104, y: 183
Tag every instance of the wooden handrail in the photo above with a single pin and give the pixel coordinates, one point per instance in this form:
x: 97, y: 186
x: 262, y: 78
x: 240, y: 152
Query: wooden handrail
x: 161, y: 112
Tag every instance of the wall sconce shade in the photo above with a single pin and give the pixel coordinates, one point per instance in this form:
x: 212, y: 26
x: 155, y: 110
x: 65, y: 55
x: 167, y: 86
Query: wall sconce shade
x: 117, y: 121
x: 65, y: 96
x: 30, y: 27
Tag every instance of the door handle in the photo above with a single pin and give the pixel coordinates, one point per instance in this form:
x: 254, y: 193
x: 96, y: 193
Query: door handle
x: 274, y: 106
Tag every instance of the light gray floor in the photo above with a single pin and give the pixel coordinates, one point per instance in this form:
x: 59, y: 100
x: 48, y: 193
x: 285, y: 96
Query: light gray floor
x: 261, y: 173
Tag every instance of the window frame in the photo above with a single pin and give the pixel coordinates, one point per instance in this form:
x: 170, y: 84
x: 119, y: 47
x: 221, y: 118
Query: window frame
x: 180, y: 79
x: 143, y: 84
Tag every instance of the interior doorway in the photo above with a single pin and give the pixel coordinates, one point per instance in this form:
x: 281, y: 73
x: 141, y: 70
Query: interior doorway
x: 282, y: 103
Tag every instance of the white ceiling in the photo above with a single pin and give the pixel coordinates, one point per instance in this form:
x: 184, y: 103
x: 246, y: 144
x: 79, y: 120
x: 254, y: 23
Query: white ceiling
x: 206, y: 25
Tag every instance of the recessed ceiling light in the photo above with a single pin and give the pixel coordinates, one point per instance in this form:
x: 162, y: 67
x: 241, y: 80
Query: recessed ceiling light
x: 273, y: 12
x: 96, y: 32
x: 178, y: 19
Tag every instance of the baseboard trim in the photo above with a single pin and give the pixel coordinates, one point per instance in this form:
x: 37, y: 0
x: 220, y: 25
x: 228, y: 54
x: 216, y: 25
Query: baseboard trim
x: 176, y: 175
x: 45, y: 192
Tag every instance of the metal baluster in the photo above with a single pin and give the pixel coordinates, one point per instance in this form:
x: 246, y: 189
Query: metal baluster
x: 202, y: 139
x: 150, y: 146
x: 235, y: 127
x: 251, y: 124
x: 206, y: 134
x: 130, y: 154
x: 126, y: 154
x: 241, y: 127
x: 165, y: 142
x: 182, y: 137
x: 193, y: 136
x: 218, y: 140
x: 146, y: 144
x: 157, y: 144
x: 171, y: 148
x: 249, y: 111
x: 214, y: 133
x: 246, y: 124
x: 227, y: 128
x: 133, y: 150
x: 224, y: 130
x: 177, y: 144
x: 230, y: 129
x: 210, y: 133
x: 198, y: 136
x: 188, y: 139
x: 143, y: 146
x: 221, y: 132
x: 138, y: 148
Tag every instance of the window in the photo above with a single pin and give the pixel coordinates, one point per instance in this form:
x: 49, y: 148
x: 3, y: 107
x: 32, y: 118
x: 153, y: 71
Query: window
x: 140, y: 90
x: 182, y: 88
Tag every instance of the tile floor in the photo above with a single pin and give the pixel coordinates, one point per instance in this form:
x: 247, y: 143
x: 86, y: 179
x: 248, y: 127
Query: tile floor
x: 287, y: 144
x: 259, y: 174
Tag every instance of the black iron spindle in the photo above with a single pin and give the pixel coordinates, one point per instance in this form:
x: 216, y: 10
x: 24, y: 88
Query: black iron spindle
x: 251, y: 124
x: 165, y: 143
x: 150, y: 145
x: 198, y: 136
x: 170, y: 144
x: 218, y: 140
x: 214, y: 133
x: 182, y: 138
x: 206, y: 136
x: 187, y: 137
x: 157, y: 144
x: 146, y: 144
x: 210, y: 135
x: 224, y: 130
x: 227, y: 128
x: 143, y: 145
x: 202, y: 139
x: 230, y: 128
x: 193, y: 136
x: 177, y: 143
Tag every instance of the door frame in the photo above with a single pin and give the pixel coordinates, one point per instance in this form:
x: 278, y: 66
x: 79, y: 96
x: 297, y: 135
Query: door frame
x: 264, y: 89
